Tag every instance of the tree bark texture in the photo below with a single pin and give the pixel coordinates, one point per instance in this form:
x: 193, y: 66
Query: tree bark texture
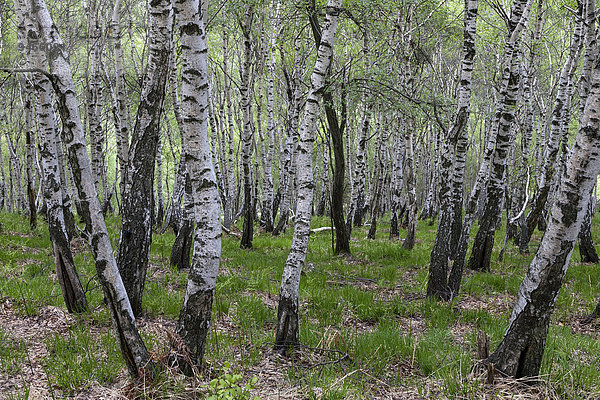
x: 137, y: 206
x: 521, y: 350
x: 484, y: 240
x: 287, y: 311
x: 247, y: 136
x: 455, y: 145
x: 195, y: 315
x: 130, y: 342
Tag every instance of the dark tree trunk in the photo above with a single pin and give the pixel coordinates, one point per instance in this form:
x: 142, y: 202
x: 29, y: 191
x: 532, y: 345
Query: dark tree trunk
x: 193, y: 325
x: 287, y: 327
x: 138, y: 202
x: 586, y: 244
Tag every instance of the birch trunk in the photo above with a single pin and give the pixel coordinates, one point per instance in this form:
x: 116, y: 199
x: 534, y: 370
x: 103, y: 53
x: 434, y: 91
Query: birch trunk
x: 484, y: 240
x: 195, y: 315
x: 138, y: 205
x: 397, y: 183
x: 247, y: 136
x: 130, y: 342
x: 521, y: 350
x: 66, y: 273
x: 30, y: 149
x: 267, y: 207
x: 411, y: 233
x: 451, y: 193
x: 287, y: 311
x: 557, y: 127
x: 123, y: 127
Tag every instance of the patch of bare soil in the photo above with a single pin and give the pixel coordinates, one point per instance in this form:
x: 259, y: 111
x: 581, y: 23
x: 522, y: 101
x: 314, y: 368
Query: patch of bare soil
x: 32, y: 331
x: 495, y: 304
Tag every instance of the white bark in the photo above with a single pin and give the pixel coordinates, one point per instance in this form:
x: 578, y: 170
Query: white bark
x: 132, y: 346
x: 287, y: 329
x: 194, y: 319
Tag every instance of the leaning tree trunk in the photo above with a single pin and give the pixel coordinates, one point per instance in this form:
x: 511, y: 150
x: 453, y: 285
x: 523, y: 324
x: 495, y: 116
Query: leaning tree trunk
x: 451, y: 192
x: 522, y: 348
x: 287, y: 311
x: 586, y: 244
x: 247, y: 137
x: 130, y: 342
x: 195, y: 315
x: 66, y: 273
x: 587, y: 251
x: 137, y: 206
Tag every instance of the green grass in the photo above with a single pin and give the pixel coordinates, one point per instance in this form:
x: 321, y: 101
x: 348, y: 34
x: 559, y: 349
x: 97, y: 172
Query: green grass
x: 79, y: 358
x: 370, y: 307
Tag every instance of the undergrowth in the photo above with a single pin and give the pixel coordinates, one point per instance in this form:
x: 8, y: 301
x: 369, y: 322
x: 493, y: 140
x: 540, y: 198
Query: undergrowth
x: 366, y: 328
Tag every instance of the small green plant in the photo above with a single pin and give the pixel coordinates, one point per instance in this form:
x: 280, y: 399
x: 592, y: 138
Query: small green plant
x: 230, y: 386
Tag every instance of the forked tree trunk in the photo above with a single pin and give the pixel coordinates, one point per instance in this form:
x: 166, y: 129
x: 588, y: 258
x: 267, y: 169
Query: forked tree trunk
x: 287, y: 330
x: 130, y: 342
x: 522, y: 348
x: 195, y: 315
x: 484, y: 240
x: 454, y: 147
x: 66, y: 273
x: 137, y: 207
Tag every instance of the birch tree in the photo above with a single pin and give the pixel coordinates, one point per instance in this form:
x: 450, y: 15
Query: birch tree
x: 195, y: 315
x: 454, y: 147
x: 138, y: 202
x: 521, y: 350
x: 66, y: 273
x: 247, y: 136
x: 130, y: 342
x: 287, y: 311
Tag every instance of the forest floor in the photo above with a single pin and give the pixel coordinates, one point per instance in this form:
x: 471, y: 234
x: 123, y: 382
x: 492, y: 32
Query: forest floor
x: 366, y: 328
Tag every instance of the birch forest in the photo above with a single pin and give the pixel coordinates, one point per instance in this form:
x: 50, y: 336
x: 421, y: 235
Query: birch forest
x: 306, y: 199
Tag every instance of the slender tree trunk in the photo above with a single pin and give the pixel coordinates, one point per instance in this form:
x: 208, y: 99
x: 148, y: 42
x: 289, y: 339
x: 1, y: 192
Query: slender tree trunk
x: 411, y: 233
x: 267, y: 207
x: 195, y: 315
x: 123, y: 127
x: 30, y: 149
x: 68, y: 279
x: 180, y: 253
x: 287, y: 311
x: 247, y: 136
x: 137, y: 206
x: 397, y: 183
x: 561, y: 102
